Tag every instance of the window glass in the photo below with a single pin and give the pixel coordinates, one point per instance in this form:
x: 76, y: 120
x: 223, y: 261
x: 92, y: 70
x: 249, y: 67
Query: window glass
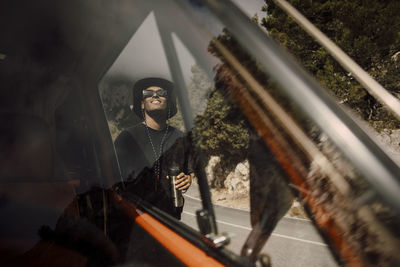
x: 143, y: 151
x: 234, y: 152
x: 264, y: 157
x: 224, y: 135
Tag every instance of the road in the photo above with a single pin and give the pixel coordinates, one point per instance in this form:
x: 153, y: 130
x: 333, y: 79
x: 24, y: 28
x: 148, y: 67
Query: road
x: 294, y: 242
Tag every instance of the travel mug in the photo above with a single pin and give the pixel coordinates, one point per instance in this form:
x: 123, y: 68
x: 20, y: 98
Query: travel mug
x: 176, y: 194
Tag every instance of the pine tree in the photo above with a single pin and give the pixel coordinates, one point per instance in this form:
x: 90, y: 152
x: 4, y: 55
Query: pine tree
x: 367, y: 30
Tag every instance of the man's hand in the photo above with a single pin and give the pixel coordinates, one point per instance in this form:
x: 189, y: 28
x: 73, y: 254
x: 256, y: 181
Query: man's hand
x: 183, y: 181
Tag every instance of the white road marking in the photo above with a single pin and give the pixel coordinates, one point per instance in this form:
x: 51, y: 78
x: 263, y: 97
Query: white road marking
x: 288, y: 217
x: 273, y: 234
x: 301, y: 240
x: 195, y: 198
x: 295, y: 218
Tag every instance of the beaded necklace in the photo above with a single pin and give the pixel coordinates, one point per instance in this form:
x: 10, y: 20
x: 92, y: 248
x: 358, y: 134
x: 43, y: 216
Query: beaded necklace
x: 157, y: 166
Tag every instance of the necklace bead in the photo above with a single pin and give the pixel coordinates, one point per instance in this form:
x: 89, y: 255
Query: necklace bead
x: 157, y: 166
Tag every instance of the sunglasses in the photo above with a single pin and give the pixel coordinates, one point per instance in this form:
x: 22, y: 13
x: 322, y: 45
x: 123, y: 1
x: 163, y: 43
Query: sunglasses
x: 149, y: 93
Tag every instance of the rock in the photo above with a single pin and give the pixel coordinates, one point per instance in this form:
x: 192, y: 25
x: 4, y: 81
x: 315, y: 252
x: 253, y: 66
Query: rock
x: 237, y: 182
x: 214, y: 160
x: 396, y: 56
x: 230, y: 182
x: 390, y: 139
x: 242, y: 171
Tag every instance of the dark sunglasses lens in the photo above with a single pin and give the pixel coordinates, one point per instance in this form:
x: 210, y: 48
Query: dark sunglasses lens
x: 150, y: 93
x: 162, y: 93
x: 147, y: 93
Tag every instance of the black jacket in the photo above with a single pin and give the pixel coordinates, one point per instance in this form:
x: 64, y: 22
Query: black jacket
x: 137, y: 163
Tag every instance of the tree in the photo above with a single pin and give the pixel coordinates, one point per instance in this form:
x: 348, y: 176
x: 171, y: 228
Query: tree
x: 221, y: 128
x: 367, y: 30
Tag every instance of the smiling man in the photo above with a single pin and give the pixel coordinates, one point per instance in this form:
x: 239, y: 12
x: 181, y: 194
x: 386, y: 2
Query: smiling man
x: 147, y: 151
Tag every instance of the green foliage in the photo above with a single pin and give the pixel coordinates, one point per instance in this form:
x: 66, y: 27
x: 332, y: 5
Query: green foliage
x: 220, y: 126
x: 367, y: 30
x: 222, y: 129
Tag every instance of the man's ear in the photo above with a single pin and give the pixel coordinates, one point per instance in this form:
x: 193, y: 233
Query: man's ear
x: 142, y: 105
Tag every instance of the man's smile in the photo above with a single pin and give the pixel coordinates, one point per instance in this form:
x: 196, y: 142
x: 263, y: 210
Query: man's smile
x: 154, y: 99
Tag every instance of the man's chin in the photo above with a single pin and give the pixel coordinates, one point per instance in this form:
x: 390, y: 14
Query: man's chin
x: 157, y: 112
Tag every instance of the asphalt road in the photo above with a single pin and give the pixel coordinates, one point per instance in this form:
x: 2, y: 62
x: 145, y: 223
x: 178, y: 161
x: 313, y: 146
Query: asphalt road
x: 294, y: 242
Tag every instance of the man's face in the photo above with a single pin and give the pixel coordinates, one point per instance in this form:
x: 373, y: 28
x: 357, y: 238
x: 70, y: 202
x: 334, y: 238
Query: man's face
x: 153, y: 101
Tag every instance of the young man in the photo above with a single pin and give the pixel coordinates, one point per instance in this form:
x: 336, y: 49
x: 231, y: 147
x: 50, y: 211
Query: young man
x: 147, y: 151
